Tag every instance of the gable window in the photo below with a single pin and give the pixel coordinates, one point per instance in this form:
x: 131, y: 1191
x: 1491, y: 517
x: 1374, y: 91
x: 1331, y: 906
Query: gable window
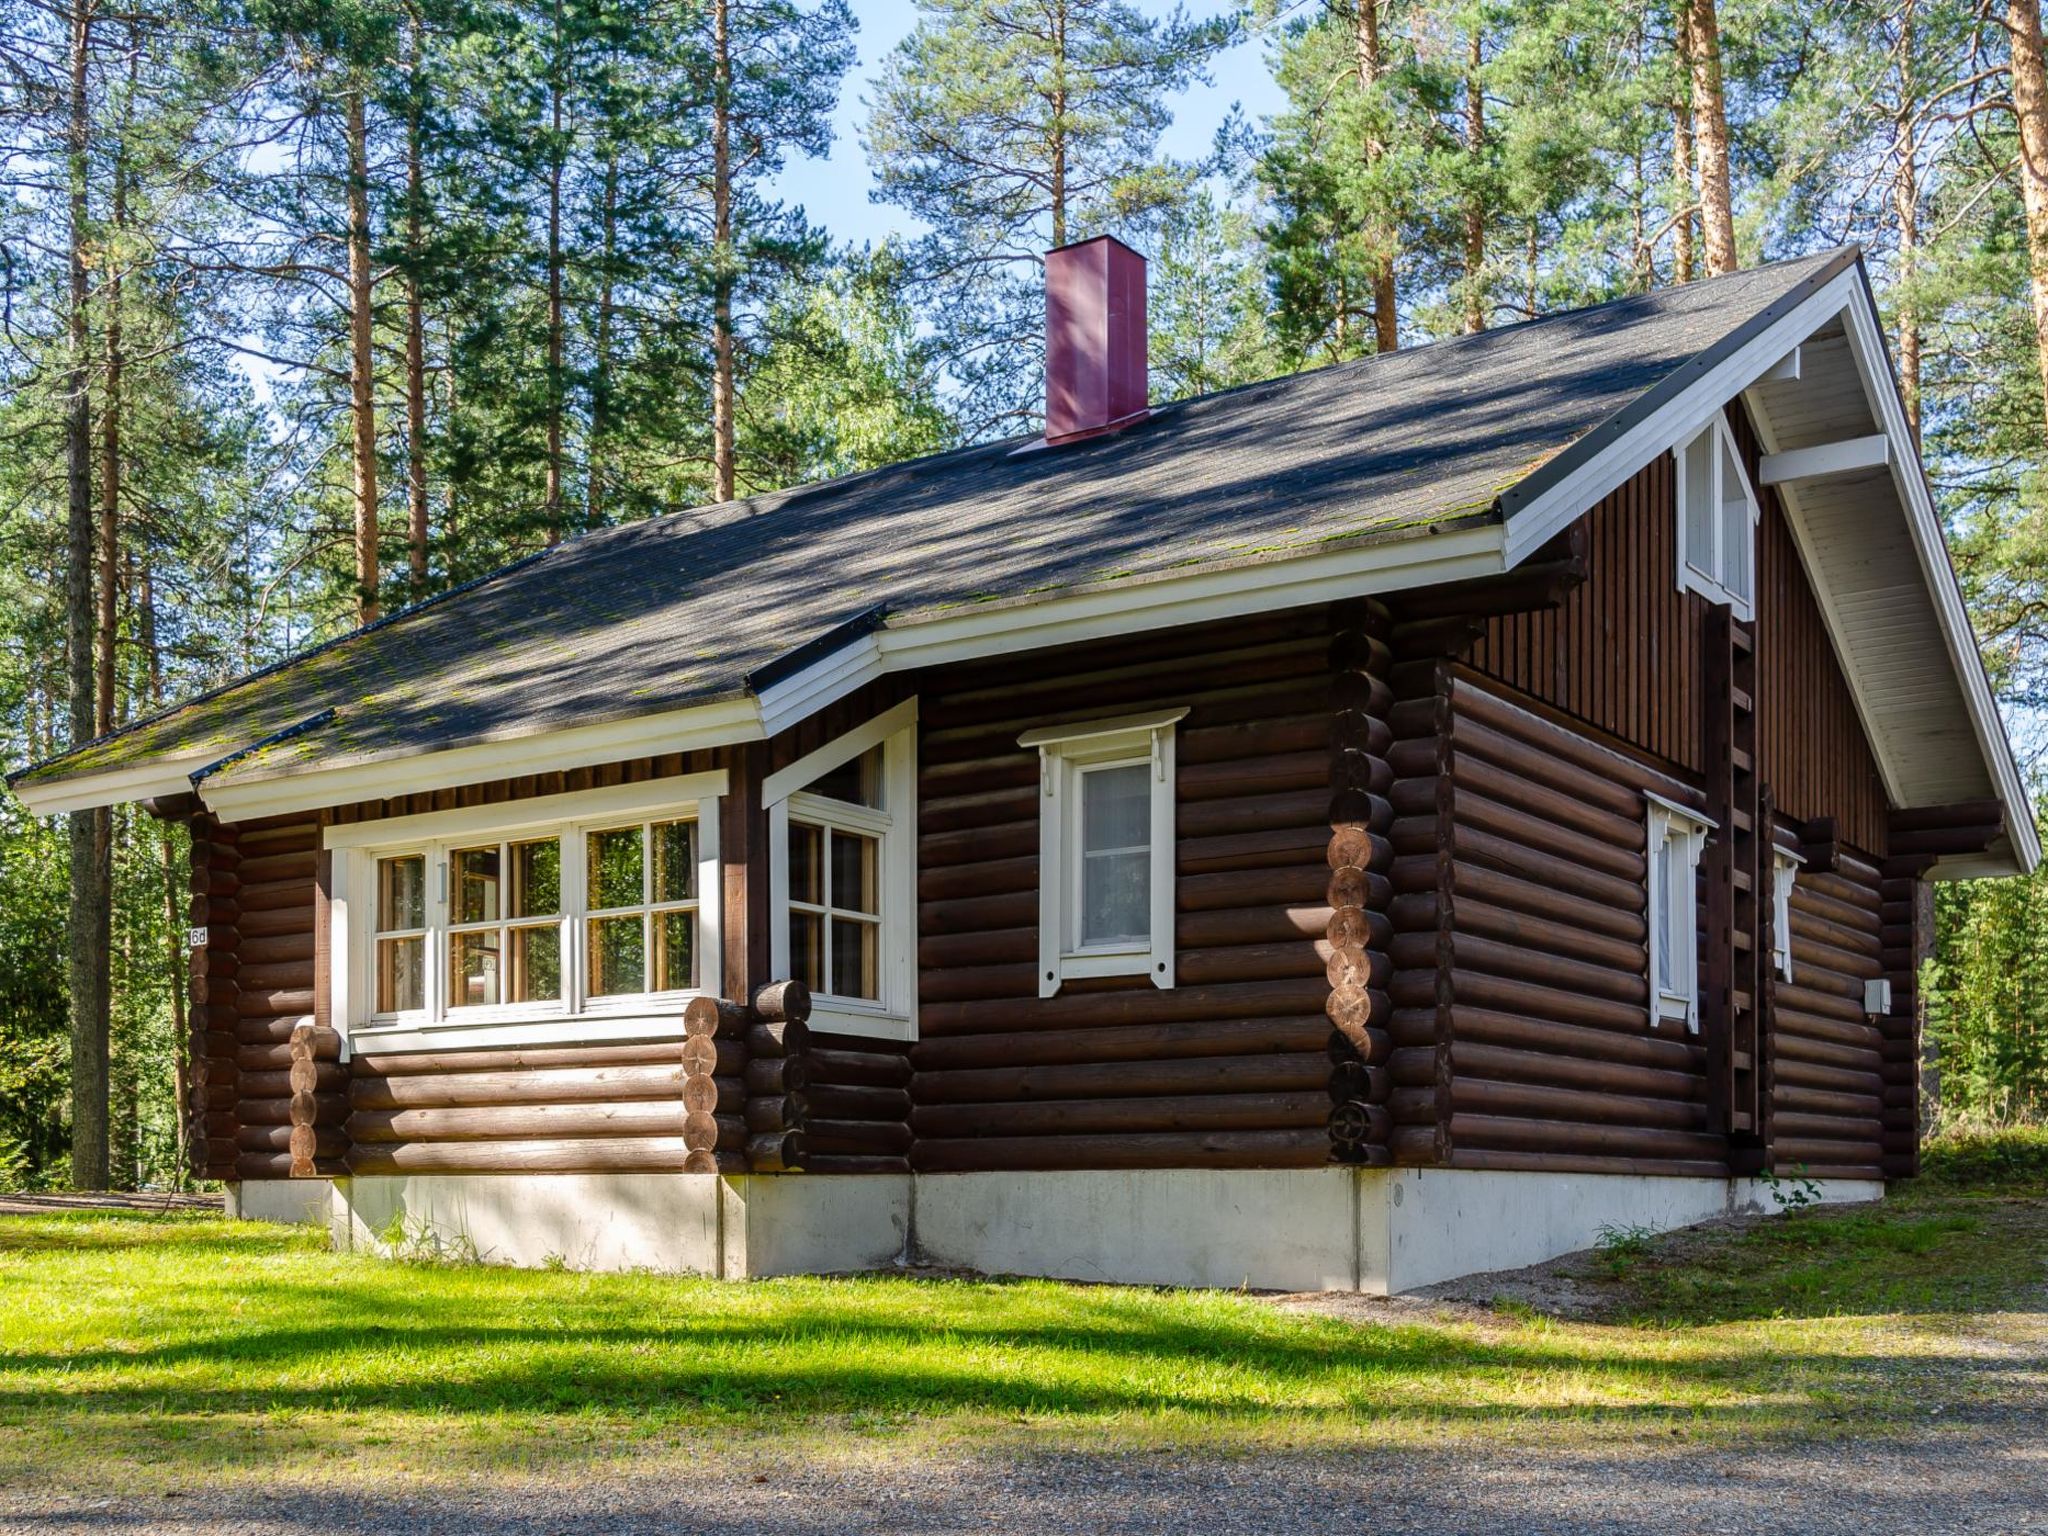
x: 572, y: 907
x: 1784, y: 873
x: 841, y: 827
x: 1717, y: 518
x: 1105, y: 848
x: 1676, y: 837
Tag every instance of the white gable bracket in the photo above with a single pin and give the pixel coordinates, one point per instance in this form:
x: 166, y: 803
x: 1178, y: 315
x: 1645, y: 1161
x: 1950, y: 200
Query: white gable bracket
x: 1825, y: 459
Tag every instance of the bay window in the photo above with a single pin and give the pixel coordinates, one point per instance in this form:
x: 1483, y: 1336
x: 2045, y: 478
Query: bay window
x: 1106, y: 848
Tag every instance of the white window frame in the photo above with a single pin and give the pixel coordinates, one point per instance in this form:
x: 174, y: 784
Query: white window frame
x: 1668, y: 821
x: 1785, y: 866
x: 894, y: 1015
x: 576, y: 1016
x: 1712, y: 584
x: 1065, y: 753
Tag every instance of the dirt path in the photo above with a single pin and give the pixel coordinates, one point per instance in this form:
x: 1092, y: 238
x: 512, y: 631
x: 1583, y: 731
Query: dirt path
x: 1984, y: 1478
x: 38, y: 1205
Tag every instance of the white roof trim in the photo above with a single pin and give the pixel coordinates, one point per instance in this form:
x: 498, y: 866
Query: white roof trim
x: 685, y: 730
x: 117, y: 786
x: 1558, y: 506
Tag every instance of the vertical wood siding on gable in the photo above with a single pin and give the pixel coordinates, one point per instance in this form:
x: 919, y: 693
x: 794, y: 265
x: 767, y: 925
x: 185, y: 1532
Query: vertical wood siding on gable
x: 1623, y: 652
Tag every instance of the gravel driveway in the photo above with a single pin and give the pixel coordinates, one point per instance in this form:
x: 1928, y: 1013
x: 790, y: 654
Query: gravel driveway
x: 1990, y: 1476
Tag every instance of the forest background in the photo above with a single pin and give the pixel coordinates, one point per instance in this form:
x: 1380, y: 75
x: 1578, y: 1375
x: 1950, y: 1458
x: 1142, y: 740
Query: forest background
x: 312, y: 310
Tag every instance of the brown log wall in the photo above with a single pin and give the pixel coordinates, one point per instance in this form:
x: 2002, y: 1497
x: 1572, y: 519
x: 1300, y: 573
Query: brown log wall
x: 253, y: 985
x: 1828, y: 1062
x: 1521, y: 1023
x: 1231, y: 1067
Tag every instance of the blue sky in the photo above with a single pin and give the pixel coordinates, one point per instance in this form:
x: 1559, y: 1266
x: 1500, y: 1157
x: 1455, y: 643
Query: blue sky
x: 834, y: 191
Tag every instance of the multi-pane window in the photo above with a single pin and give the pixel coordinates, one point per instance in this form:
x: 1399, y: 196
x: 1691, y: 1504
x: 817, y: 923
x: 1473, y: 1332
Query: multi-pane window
x: 401, y: 935
x: 1676, y: 838
x: 835, y: 881
x: 560, y: 920
x: 1106, y: 852
x: 642, y: 905
x: 1717, y: 517
x: 505, y: 923
x: 841, y: 880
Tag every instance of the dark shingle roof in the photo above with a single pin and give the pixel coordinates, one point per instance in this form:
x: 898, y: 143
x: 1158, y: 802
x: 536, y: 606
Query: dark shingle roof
x: 683, y: 608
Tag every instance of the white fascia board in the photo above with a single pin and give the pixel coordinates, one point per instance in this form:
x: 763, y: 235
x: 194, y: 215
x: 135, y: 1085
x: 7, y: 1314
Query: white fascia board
x: 1824, y: 459
x: 1866, y: 346
x: 1560, y: 505
x: 973, y: 632
x: 117, y: 786
x: 1120, y: 608
x: 683, y: 730
x: 784, y: 782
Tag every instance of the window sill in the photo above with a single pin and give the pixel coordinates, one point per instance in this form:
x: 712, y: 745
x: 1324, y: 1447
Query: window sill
x: 838, y: 1018
x: 658, y: 1021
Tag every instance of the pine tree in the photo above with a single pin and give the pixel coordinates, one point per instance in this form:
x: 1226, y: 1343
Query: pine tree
x: 1013, y: 126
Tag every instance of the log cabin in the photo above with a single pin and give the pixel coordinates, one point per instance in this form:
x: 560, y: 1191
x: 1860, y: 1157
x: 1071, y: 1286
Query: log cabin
x: 1361, y: 828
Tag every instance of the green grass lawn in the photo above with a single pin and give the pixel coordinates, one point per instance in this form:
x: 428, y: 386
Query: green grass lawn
x: 148, y: 1350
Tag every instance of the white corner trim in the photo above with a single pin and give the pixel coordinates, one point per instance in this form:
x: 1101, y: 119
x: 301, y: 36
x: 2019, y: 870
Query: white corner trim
x: 1084, y: 730
x: 684, y: 790
x: 117, y: 786
x: 784, y: 782
x: 1562, y: 504
x: 1837, y: 458
x: 681, y: 730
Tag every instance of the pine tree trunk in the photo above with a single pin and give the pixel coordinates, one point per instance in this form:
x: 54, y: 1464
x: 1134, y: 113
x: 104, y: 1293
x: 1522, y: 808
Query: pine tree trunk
x: 1684, y: 194
x: 552, y: 494
x: 1057, y: 147
x: 1371, y: 64
x: 722, y: 362
x: 173, y: 885
x: 1475, y: 197
x: 362, y: 359
x: 105, y: 617
x: 1710, y: 139
x: 601, y: 362
x: 90, y: 923
x: 1906, y: 211
x: 2030, y: 106
x: 416, y: 531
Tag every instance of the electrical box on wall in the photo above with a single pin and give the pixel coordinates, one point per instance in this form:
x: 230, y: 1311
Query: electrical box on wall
x: 1877, y: 996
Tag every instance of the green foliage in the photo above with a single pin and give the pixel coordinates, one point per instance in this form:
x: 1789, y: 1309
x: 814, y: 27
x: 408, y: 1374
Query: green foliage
x: 2009, y: 1162
x: 1009, y: 127
x: 1987, y: 1010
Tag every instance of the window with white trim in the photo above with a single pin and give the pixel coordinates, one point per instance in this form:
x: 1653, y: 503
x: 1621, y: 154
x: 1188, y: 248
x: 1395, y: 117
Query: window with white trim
x: 509, y: 915
x: 842, y: 825
x: 1105, y: 848
x: 1784, y: 874
x: 1677, y: 835
x: 1717, y: 518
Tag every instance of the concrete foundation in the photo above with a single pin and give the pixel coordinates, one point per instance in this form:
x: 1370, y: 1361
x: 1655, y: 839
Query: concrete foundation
x: 1376, y: 1230
x: 295, y: 1202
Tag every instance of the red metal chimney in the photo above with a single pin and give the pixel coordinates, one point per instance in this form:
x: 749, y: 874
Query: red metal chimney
x: 1094, y: 338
